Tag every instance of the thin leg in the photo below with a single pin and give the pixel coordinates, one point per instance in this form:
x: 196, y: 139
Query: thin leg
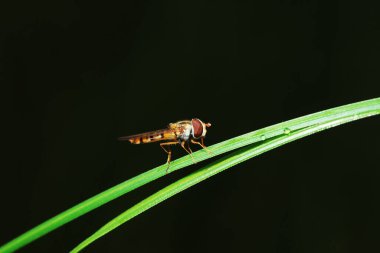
x: 168, y: 151
x: 201, y: 144
x: 166, y: 144
x: 188, y: 146
x: 189, y: 152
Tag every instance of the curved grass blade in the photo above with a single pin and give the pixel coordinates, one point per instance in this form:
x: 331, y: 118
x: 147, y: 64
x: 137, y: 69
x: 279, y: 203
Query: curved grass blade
x: 212, y: 169
x: 112, y: 193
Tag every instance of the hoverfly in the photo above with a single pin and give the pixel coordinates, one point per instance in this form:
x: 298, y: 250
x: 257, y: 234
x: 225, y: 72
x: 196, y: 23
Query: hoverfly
x: 182, y: 132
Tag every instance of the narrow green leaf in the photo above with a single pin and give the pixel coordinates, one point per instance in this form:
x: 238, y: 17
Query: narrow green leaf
x: 212, y: 169
x: 100, y: 199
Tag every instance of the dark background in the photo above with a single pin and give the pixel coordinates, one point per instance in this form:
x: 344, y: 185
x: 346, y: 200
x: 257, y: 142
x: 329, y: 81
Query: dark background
x: 77, y: 74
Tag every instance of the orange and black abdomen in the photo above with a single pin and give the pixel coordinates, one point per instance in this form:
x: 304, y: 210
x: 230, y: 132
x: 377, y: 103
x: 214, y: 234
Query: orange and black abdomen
x: 149, y: 137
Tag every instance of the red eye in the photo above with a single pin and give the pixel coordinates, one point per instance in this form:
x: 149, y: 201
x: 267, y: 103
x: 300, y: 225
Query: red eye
x: 198, y: 128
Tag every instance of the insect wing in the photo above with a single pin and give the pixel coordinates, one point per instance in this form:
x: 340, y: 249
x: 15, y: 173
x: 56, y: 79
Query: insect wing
x: 147, y: 137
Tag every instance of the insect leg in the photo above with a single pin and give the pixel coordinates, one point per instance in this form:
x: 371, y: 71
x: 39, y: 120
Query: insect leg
x: 201, y: 144
x: 188, y: 146
x: 189, y: 152
x: 168, y: 151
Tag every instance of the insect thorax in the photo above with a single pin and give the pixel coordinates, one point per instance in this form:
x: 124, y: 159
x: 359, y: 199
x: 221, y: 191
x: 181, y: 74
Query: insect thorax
x: 182, y: 130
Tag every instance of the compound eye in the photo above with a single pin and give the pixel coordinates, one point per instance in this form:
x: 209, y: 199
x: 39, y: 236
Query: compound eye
x: 197, y: 128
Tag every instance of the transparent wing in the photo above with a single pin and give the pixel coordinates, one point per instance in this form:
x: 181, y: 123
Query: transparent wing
x: 151, y: 133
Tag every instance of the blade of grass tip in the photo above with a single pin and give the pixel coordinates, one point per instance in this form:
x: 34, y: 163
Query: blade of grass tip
x: 212, y: 169
x: 217, y: 149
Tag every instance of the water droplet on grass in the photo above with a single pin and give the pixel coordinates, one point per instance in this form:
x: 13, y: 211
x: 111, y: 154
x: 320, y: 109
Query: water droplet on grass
x: 286, y: 131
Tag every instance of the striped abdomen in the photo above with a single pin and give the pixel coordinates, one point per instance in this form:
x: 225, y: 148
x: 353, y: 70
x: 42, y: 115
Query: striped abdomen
x: 149, y: 137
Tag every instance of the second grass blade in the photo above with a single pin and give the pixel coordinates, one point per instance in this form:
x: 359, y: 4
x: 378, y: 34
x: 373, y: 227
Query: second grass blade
x: 213, y: 169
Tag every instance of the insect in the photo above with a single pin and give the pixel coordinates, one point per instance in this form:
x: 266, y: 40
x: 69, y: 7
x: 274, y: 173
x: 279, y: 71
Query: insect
x: 182, y: 132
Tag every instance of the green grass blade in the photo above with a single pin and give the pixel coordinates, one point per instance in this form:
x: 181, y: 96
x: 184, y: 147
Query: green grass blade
x: 102, y: 198
x: 212, y: 169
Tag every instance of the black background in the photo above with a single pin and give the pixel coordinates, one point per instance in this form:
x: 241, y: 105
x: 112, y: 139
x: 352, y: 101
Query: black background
x: 78, y: 74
